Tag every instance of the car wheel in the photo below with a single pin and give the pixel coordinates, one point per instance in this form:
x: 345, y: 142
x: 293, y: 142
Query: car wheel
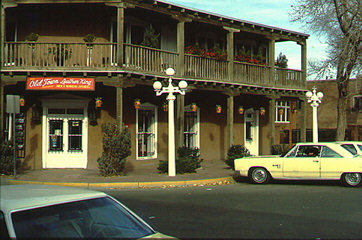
x: 352, y: 179
x: 259, y: 175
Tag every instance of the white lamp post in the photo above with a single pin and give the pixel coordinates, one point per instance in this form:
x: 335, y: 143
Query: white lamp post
x: 314, y: 99
x: 170, y: 89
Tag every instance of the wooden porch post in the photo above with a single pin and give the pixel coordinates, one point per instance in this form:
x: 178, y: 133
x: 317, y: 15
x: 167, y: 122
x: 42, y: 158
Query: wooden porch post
x: 120, y: 34
x: 304, y: 62
x: 272, y: 99
x: 303, y: 125
x: 119, y: 106
x: 181, y: 47
x: 180, y: 116
x: 230, y: 119
x: 230, y: 51
x: 271, y: 59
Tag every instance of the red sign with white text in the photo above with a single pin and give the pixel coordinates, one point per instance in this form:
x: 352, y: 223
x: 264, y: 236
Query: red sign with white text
x: 60, y: 83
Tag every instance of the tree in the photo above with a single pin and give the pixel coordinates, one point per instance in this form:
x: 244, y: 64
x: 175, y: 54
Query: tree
x: 150, y: 39
x: 116, y: 149
x: 340, y: 21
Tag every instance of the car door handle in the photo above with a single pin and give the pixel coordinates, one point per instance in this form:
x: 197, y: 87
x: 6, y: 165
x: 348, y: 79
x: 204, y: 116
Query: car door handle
x: 315, y: 160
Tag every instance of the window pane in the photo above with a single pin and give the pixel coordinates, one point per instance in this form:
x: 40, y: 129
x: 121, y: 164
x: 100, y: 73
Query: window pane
x: 56, y: 135
x: 75, y: 134
x: 56, y: 111
x: 75, y: 111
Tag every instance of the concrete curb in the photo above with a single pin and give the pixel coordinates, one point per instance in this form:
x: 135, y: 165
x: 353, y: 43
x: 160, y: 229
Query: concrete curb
x: 166, y: 184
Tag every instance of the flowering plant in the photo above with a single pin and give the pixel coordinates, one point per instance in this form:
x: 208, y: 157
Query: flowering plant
x: 215, y: 52
x: 245, y: 56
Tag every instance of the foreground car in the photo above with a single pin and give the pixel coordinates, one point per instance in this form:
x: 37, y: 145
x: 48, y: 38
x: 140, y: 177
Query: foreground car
x: 322, y: 161
x: 41, y: 211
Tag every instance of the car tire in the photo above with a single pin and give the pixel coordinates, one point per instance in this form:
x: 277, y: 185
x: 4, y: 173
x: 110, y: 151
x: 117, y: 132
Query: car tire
x: 259, y: 175
x: 352, y: 179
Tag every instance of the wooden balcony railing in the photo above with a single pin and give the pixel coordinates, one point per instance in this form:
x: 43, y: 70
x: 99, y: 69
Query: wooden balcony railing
x: 103, y: 56
x: 205, y: 68
x: 54, y: 55
x: 252, y: 73
x: 148, y: 59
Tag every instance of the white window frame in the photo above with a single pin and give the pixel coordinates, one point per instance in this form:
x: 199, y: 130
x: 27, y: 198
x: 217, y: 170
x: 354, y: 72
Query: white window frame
x: 285, y: 106
x: 153, y: 130
x: 195, y: 128
x: 354, y: 103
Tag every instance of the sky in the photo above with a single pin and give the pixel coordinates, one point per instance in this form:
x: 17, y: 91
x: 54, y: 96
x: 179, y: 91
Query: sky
x: 274, y: 13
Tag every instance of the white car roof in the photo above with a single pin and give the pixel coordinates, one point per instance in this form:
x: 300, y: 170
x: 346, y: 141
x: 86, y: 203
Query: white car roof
x: 14, y: 197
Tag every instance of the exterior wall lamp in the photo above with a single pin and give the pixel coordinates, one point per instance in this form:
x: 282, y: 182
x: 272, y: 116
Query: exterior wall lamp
x: 262, y: 111
x: 314, y: 99
x: 241, y: 110
x: 218, y: 108
x: 170, y: 90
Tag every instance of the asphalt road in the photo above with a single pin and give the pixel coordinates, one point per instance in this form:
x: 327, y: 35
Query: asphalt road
x: 242, y: 210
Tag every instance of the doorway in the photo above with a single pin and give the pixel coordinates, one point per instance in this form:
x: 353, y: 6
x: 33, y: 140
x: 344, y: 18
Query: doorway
x: 251, y: 130
x: 65, y: 133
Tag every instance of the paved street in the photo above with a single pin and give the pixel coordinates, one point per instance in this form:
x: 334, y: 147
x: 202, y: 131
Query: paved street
x: 242, y: 210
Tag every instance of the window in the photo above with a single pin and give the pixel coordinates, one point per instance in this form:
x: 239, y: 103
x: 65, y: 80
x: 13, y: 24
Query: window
x: 146, y: 131
x: 56, y: 135
x: 329, y: 153
x: 350, y: 147
x: 308, y: 151
x: 357, y: 103
x: 75, y: 135
x: 282, y: 111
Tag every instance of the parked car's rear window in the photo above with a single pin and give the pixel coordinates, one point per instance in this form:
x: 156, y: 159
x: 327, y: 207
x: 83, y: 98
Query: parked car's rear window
x: 93, y: 218
x: 350, y: 147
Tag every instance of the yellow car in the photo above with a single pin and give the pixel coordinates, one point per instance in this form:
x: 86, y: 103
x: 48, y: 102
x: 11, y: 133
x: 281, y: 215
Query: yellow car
x: 305, y: 161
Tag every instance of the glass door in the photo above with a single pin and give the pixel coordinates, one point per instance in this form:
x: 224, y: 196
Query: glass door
x: 65, y: 137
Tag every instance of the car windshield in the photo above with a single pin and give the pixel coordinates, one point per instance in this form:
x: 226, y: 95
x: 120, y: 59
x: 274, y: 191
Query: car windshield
x: 92, y: 218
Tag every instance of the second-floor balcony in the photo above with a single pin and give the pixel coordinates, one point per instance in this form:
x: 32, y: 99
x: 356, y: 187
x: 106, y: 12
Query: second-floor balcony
x: 30, y: 56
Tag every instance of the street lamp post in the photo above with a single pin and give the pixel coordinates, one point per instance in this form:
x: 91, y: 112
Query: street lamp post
x: 314, y: 99
x: 170, y: 89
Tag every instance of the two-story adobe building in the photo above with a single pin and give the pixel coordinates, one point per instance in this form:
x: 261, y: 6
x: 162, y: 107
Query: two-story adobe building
x: 60, y: 56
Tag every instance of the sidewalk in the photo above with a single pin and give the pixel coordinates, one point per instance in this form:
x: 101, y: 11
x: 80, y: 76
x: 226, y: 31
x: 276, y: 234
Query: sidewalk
x: 144, y: 176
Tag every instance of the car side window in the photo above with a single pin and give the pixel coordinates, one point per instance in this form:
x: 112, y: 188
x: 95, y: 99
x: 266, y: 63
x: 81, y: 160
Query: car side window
x: 3, y: 229
x: 308, y: 151
x: 352, y: 149
x: 360, y: 147
x: 329, y: 153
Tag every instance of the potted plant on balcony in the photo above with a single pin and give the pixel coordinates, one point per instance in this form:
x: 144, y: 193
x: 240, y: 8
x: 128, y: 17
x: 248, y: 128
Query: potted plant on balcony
x: 282, y: 61
x: 150, y: 38
x: 89, y: 39
x: 32, y: 37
